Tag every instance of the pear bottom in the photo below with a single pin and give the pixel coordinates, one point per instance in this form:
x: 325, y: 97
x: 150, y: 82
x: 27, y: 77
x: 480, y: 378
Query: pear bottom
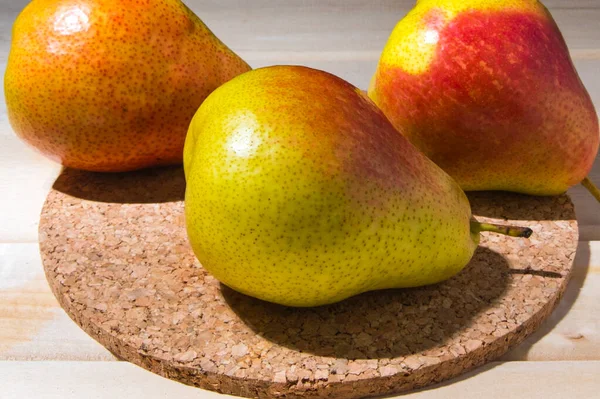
x: 327, y: 263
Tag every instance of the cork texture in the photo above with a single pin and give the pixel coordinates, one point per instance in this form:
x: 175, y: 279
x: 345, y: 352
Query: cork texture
x: 116, y: 255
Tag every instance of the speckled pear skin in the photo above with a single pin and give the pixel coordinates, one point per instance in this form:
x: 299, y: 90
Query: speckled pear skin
x: 488, y: 91
x: 301, y: 192
x: 111, y: 85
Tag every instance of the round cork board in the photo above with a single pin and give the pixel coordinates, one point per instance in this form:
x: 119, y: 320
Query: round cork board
x: 116, y: 255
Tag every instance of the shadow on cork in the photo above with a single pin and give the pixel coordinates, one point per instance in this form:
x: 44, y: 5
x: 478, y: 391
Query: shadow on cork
x: 515, y: 206
x: 388, y: 323
x: 156, y: 185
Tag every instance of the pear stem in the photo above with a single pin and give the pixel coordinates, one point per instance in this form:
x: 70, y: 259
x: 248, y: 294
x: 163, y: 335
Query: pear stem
x: 591, y: 187
x: 512, y: 231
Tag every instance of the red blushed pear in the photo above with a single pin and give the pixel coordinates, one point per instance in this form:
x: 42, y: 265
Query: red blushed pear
x: 488, y: 91
x: 111, y: 85
x: 301, y: 192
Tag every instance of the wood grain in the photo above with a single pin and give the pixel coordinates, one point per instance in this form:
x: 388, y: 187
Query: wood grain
x: 101, y: 380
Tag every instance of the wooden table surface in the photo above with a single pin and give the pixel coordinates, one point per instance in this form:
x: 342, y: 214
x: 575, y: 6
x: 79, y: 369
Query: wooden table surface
x: 43, y: 354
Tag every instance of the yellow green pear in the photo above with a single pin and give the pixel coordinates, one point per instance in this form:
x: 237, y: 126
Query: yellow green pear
x: 301, y: 192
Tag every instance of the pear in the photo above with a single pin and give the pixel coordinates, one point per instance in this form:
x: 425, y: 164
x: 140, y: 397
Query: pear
x: 301, y: 192
x: 488, y: 91
x: 111, y: 85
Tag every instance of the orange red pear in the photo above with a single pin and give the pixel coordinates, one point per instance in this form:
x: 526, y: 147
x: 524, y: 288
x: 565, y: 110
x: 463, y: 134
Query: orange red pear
x: 488, y: 91
x: 111, y: 85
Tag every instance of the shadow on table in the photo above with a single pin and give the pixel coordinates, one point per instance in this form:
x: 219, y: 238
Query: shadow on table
x: 579, y: 274
x: 156, y: 185
x: 381, y: 324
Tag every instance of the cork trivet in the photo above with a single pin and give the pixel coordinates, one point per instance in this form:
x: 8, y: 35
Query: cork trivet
x: 116, y: 255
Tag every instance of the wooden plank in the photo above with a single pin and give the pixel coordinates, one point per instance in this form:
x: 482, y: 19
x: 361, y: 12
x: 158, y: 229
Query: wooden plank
x: 25, y: 179
x: 98, y: 380
x: 577, y: 4
x: 308, y: 25
x: 348, y: 28
x: 32, y: 325
x: 570, y: 4
x: 572, y: 332
x: 365, y: 6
